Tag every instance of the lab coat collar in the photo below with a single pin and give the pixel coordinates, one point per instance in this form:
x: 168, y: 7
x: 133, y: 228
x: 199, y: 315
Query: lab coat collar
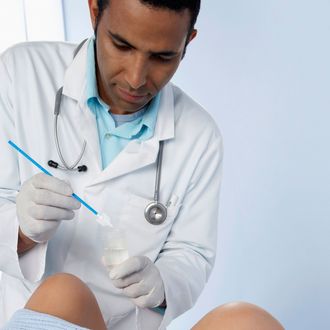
x: 75, y: 76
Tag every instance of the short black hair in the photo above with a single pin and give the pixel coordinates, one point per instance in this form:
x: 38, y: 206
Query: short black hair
x: 177, y: 5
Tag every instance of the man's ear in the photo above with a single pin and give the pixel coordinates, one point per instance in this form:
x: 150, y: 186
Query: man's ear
x: 93, y: 12
x: 192, y: 36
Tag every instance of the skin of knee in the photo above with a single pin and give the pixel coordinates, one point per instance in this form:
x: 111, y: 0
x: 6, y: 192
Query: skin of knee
x: 238, y: 315
x: 67, y: 297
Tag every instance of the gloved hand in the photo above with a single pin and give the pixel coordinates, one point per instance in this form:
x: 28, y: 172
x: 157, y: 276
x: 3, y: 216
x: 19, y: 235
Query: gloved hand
x: 41, y: 204
x: 140, y: 280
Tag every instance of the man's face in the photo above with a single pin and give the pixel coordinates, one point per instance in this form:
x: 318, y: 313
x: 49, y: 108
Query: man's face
x: 138, y: 49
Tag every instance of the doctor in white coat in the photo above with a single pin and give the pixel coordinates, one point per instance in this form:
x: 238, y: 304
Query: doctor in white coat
x: 43, y: 230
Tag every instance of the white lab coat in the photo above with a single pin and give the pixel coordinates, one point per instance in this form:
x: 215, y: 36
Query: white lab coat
x: 183, y: 248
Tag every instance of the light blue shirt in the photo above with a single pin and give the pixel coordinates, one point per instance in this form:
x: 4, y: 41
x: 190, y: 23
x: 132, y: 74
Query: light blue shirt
x: 116, y: 131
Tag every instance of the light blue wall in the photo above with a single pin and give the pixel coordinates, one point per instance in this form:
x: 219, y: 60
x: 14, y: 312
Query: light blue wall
x: 77, y: 21
x: 261, y: 68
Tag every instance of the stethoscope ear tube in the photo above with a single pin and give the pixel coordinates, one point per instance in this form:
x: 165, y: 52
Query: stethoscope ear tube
x: 82, y: 168
x: 159, y: 170
x: 58, y: 101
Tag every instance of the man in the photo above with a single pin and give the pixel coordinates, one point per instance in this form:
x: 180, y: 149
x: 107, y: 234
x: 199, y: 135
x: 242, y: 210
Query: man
x: 117, y: 97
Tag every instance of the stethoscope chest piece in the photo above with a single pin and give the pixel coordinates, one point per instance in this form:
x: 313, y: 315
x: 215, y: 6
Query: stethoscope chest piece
x: 155, y: 213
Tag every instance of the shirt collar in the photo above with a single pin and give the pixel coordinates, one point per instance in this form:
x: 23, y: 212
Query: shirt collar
x: 150, y: 116
x: 141, y: 127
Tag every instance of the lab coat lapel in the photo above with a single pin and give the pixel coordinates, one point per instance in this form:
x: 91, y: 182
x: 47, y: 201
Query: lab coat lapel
x: 75, y: 75
x: 138, y: 154
x: 134, y: 156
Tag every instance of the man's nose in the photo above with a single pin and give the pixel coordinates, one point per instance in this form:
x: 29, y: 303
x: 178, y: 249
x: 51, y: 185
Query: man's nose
x: 137, y: 72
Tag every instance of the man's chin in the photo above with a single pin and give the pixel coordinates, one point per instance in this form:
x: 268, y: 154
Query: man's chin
x: 126, y: 110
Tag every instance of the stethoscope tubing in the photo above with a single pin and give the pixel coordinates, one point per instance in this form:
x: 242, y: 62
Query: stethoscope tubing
x: 158, y: 171
x: 57, y: 144
x: 155, y: 208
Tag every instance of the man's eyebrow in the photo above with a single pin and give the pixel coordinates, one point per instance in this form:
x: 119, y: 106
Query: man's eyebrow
x: 118, y: 38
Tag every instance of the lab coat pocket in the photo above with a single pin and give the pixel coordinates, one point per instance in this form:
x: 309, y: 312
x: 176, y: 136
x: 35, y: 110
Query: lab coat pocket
x: 144, y: 238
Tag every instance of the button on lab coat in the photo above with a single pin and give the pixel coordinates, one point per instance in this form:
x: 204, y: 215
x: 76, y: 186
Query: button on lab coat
x: 183, y: 247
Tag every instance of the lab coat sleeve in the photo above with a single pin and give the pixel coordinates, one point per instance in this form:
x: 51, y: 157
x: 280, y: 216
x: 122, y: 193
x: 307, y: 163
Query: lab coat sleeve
x: 188, y: 255
x: 31, y: 265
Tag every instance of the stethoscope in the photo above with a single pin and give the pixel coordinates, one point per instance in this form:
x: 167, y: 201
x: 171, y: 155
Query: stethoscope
x: 155, y: 212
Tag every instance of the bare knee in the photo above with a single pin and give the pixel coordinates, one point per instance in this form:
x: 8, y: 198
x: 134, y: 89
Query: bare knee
x: 61, y: 289
x: 67, y: 297
x: 238, y: 315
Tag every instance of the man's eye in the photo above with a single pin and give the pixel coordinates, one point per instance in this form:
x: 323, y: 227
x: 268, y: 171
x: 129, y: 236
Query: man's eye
x: 163, y: 58
x: 121, y: 46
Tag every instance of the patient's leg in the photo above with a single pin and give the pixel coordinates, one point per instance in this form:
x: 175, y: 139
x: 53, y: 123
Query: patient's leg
x: 238, y: 316
x: 67, y: 297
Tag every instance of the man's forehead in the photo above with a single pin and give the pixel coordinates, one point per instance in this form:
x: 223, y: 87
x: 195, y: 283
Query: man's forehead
x: 135, y: 5
x: 132, y: 20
